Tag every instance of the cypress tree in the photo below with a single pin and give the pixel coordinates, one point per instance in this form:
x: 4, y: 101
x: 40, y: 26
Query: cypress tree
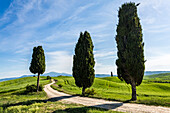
x: 130, y: 62
x: 38, y: 63
x: 83, y: 62
x: 111, y: 74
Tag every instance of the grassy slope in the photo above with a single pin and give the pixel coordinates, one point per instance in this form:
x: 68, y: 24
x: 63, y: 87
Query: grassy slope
x: 112, y: 88
x: 13, y: 100
x: 164, y: 77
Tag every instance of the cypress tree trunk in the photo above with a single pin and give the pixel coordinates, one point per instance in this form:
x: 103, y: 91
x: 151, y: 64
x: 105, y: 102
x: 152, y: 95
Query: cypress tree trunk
x: 133, y: 91
x: 83, y: 91
x: 38, y: 82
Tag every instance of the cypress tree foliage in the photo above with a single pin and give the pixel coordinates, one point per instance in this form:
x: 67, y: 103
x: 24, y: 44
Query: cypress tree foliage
x: 111, y: 74
x: 130, y: 62
x: 83, y: 62
x: 38, y: 63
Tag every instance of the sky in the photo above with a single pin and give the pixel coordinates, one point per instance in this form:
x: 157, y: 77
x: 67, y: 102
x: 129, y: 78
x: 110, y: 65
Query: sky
x: 56, y: 25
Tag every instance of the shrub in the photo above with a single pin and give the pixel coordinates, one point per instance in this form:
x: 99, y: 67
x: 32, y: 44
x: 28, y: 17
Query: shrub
x: 33, y: 88
x: 66, y: 82
x: 48, y: 78
x: 60, y: 85
x: 90, y: 92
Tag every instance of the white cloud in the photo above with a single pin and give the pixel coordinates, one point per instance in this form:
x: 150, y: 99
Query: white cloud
x: 59, y: 61
x: 14, y: 73
x: 148, y: 20
x: 157, y: 29
x: 105, y: 69
x: 21, y: 60
x: 79, y: 10
x: 158, y: 63
x: 104, y: 54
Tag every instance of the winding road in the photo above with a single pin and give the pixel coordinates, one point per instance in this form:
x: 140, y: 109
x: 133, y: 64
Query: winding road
x: 111, y: 105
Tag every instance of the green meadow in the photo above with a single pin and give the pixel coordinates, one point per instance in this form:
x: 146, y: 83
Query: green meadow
x: 15, y: 100
x: 154, y: 90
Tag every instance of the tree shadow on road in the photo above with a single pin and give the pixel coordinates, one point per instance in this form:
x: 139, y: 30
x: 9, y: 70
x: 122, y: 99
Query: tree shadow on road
x: 109, y: 106
x: 60, y: 98
x: 96, y: 108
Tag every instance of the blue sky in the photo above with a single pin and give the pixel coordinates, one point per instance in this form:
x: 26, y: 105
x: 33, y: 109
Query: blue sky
x: 56, y: 25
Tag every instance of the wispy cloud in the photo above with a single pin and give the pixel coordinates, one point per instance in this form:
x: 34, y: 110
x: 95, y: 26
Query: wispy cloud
x: 100, y: 69
x: 104, y: 54
x: 158, y: 29
x: 59, y: 61
x: 148, y: 20
x: 158, y: 63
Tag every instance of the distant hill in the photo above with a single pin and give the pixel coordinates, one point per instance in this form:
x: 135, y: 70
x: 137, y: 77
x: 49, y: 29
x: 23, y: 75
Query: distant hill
x: 5, y: 79
x: 155, y: 72
x: 103, y: 75
x: 54, y: 74
x: 161, y: 76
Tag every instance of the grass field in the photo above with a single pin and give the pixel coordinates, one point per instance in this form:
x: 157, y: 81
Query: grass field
x: 14, y: 100
x: 159, y: 78
x: 111, y: 88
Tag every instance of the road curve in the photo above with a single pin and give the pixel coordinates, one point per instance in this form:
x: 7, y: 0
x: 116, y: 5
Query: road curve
x: 111, y: 105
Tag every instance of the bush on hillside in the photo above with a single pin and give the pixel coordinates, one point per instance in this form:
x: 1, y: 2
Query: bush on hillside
x: 48, y: 78
x: 60, y: 85
x: 90, y: 92
x: 33, y: 88
x: 66, y: 82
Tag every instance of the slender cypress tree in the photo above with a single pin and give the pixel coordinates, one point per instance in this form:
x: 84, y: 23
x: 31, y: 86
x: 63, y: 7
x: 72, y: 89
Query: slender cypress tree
x: 83, y: 62
x: 111, y: 74
x: 130, y: 62
x: 38, y: 63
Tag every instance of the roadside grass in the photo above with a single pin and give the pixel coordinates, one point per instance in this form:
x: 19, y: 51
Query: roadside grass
x: 111, y: 88
x: 15, y: 100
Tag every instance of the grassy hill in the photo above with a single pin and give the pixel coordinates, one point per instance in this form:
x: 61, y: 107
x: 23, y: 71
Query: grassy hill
x: 14, y: 100
x: 111, y: 88
x: 162, y: 76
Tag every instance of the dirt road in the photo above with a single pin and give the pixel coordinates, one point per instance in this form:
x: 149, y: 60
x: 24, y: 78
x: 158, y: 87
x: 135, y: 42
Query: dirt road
x: 111, y: 105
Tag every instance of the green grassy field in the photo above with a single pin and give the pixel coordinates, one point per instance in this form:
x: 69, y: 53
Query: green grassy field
x: 14, y: 100
x: 159, y: 78
x: 111, y: 88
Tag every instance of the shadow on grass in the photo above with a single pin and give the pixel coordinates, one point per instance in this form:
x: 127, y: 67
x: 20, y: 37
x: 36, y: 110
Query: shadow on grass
x: 23, y: 92
x: 70, y: 110
x: 101, y: 108
x: 8, y: 91
x: 30, y: 102
x: 79, y: 110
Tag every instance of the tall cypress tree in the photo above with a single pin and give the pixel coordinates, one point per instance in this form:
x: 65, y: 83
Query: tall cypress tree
x: 38, y: 63
x: 111, y: 74
x: 83, y: 62
x: 130, y: 62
